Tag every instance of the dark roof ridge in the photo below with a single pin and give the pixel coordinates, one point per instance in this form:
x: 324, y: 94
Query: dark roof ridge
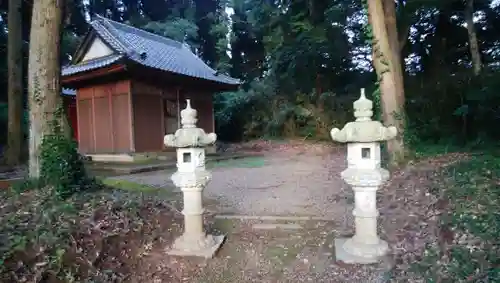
x: 141, y: 32
x: 111, y: 35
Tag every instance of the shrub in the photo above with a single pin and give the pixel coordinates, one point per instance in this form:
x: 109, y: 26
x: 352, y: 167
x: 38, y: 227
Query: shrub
x: 62, y: 167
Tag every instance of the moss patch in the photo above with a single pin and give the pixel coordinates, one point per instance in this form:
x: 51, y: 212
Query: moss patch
x: 128, y: 186
x: 246, y: 162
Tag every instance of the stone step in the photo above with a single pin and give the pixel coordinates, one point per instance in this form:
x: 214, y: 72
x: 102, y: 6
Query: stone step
x: 126, y: 169
x: 272, y: 226
x: 270, y: 217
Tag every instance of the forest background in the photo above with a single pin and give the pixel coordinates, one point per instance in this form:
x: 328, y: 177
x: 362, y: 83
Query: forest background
x: 303, y: 62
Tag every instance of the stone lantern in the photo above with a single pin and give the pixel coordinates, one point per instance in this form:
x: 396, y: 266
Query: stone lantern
x: 192, y: 177
x: 365, y: 175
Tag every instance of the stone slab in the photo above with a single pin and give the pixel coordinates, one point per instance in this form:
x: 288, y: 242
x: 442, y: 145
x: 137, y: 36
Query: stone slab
x: 206, y: 253
x: 135, y: 169
x: 271, y: 217
x: 272, y: 226
x: 126, y: 158
x: 342, y: 255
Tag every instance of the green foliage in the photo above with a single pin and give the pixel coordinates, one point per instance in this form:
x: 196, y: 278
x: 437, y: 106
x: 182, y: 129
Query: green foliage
x: 219, y: 31
x: 27, y: 185
x: 62, y: 166
x: 472, y: 192
x: 455, y: 109
x: 295, y: 60
x: 262, y: 112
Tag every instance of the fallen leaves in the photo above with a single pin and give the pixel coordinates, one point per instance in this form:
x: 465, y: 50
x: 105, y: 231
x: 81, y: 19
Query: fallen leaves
x: 85, y: 236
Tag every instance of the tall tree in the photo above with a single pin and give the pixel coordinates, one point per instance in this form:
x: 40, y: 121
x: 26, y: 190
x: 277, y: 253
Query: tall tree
x: 387, y: 62
x: 205, y: 15
x: 473, y: 43
x: 44, y: 72
x: 15, y: 83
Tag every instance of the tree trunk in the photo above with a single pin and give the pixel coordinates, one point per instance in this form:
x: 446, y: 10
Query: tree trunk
x: 387, y: 63
x: 473, y: 43
x: 43, y: 75
x: 396, y: 145
x: 15, y: 83
x: 389, y: 7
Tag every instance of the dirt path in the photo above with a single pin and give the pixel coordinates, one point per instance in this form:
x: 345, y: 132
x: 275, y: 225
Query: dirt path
x: 304, y: 254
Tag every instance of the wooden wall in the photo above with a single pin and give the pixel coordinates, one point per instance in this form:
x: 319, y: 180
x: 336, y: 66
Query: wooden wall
x: 150, y: 113
x: 104, y: 118
x: 202, y: 102
x: 148, y: 122
x: 130, y: 116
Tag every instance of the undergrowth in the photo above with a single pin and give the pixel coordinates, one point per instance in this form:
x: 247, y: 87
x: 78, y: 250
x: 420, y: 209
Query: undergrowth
x: 469, y: 250
x: 87, y: 237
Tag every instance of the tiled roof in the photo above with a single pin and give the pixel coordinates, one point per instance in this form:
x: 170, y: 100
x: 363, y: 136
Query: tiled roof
x: 149, y: 50
x: 90, y: 64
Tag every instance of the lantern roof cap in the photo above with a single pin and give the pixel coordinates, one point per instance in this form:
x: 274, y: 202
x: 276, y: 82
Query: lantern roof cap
x: 363, y: 129
x: 189, y: 135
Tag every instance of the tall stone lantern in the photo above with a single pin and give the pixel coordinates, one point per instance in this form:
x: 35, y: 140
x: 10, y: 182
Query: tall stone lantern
x: 192, y: 177
x: 364, y: 174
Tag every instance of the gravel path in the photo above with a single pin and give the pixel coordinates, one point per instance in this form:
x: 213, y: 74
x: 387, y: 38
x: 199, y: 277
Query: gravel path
x: 285, y: 184
x: 297, y: 185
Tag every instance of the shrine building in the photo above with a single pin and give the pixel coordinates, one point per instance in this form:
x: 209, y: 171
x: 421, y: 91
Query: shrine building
x: 130, y: 86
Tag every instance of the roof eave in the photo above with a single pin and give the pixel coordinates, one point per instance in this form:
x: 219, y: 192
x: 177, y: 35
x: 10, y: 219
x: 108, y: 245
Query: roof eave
x: 93, y: 64
x: 141, y: 70
x: 79, y: 77
x: 134, y: 62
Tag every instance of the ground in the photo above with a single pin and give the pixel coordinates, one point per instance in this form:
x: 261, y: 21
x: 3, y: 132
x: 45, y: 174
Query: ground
x: 287, y: 182
x: 280, y: 211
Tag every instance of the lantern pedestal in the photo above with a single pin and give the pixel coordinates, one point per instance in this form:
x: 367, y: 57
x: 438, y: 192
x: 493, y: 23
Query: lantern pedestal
x: 351, y: 252
x: 205, y: 247
x: 365, y: 246
x: 194, y: 241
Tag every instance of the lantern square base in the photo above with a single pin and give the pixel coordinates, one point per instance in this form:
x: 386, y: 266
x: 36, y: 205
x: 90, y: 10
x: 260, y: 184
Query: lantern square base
x: 213, y: 243
x: 365, y: 254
